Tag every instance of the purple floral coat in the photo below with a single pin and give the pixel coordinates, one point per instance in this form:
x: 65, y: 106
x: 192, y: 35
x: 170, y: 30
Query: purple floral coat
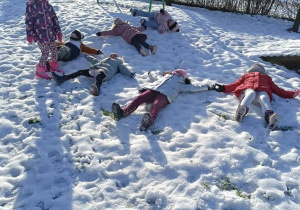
x: 41, y: 21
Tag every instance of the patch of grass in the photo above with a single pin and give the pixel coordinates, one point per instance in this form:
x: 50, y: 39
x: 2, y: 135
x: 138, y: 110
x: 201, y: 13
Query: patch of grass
x: 225, y: 117
x: 290, y: 62
x: 107, y: 113
x: 34, y: 120
x: 205, y: 185
x: 226, y: 184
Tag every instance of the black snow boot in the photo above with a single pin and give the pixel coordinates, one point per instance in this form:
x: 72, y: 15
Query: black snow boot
x: 117, y: 111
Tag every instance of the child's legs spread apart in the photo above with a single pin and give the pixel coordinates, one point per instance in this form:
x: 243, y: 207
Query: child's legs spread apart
x: 248, y: 97
x: 264, y: 100
x: 150, y: 15
x: 141, y: 40
x: 160, y: 102
x: 45, y: 53
x: 83, y: 72
x: 135, y: 42
x: 53, y: 51
x: 146, y: 97
x: 151, y: 23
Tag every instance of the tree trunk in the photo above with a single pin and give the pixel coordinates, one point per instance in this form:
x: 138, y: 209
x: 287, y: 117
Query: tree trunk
x: 297, y: 21
x: 168, y: 2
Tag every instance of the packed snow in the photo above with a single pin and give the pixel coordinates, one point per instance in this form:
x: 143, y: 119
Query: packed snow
x: 60, y: 148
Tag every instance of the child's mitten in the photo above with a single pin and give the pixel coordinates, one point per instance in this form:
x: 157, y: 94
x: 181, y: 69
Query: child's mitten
x: 297, y: 93
x: 219, y: 88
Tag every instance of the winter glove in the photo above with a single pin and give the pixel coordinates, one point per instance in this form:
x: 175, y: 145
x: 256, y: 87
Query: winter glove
x: 297, y: 93
x: 211, y: 87
x: 98, y: 33
x: 162, y: 11
x: 133, y: 75
x: 59, y: 37
x: 219, y: 88
x: 99, y: 52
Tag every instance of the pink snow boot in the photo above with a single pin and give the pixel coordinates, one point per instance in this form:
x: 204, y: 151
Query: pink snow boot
x: 41, y: 72
x: 54, y: 66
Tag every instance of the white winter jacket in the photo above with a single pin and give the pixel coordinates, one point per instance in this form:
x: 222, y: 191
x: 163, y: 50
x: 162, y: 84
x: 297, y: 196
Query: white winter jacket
x: 171, y: 85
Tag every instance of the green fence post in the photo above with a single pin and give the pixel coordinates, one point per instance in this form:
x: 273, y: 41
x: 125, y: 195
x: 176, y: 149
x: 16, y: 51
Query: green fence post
x: 163, y: 3
x: 150, y: 5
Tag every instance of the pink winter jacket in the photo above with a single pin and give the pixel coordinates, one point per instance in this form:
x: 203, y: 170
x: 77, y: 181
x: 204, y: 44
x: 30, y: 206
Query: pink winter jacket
x: 258, y: 82
x: 162, y: 21
x: 125, y: 30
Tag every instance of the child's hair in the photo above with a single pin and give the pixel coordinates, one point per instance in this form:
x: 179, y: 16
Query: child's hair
x: 186, y: 80
x: 115, y: 21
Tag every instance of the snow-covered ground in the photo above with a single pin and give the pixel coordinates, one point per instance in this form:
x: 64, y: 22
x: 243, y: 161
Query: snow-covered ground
x: 194, y: 157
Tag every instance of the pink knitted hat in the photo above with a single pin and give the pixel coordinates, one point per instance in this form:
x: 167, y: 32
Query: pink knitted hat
x: 180, y: 72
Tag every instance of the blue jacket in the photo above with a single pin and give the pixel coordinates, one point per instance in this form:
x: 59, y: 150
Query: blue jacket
x: 109, y: 67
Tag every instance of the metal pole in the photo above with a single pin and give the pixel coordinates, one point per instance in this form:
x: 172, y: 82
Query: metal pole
x: 150, y: 5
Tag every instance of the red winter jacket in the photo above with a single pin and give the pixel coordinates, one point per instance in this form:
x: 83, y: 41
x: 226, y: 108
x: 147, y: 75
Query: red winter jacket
x: 125, y: 30
x: 258, y: 82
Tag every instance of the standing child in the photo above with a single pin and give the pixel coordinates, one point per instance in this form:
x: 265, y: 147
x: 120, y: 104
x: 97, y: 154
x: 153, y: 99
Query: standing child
x: 101, y: 70
x: 70, y: 50
x: 133, y: 35
x: 256, y: 85
x: 42, y: 26
x: 161, y: 92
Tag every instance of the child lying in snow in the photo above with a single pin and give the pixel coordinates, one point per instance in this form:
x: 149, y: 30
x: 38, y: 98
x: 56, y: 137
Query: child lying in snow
x: 256, y: 85
x: 133, y: 35
x: 161, y: 21
x: 70, y: 50
x: 101, y: 70
x: 161, y: 92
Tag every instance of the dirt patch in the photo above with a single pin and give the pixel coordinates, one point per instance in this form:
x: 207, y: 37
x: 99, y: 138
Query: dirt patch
x: 290, y: 62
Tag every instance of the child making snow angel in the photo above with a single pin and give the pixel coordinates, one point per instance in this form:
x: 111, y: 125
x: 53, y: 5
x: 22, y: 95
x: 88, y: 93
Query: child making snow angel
x: 161, y: 21
x: 70, y: 50
x: 102, y: 70
x: 42, y: 26
x: 133, y: 35
x: 161, y: 92
x: 256, y: 85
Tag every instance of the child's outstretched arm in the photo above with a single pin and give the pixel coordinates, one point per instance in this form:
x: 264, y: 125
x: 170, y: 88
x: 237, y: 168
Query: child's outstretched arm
x: 91, y: 59
x: 89, y: 50
x: 126, y: 71
x: 153, y: 76
x: 281, y: 92
x: 190, y: 88
x: 111, y: 32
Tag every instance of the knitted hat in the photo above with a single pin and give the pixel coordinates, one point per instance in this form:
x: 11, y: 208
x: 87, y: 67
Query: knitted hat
x: 257, y: 67
x: 180, y: 72
x: 174, y: 27
x: 76, y: 35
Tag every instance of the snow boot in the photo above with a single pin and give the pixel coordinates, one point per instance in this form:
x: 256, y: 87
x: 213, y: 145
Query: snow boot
x: 59, y: 79
x: 272, y: 119
x: 241, y: 111
x: 153, y: 49
x: 145, y: 122
x: 133, y: 12
x: 95, y: 88
x: 117, y: 111
x: 143, y: 52
x: 54, y: 66
x: 41, y: 72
